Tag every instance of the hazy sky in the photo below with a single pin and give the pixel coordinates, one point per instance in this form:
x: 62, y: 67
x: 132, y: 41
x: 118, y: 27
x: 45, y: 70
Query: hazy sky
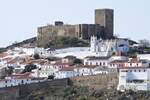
x: 19, y: 19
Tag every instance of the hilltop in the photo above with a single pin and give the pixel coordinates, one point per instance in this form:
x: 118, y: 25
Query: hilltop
x: 31, y: 41
x: 57, y: 42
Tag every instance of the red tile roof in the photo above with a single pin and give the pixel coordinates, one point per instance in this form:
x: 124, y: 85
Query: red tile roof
x: 7, y: 59
x: 119, y: 61
x: 67, y: 68
x: 134, y: 68
x: 3, y: 55
x: 12, y: 61
x: 60, y: 63
x: 86, y: 66
x: 22, y: 76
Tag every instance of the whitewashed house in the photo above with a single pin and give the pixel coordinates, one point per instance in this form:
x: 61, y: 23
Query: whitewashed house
x: 19, y: 68
x: 2, y: 56
x: 144, y: 56
x: 135, y: 75
x: 134, y: 78
x: 44, y: 71
x: 117, y: 61
x: 135, y: 62
x: 90, y: 70
x: 84, y: 70
x: 28, y: 50
x: 44, y: 52
x: 96, y: 61
x: 19, y: 79
x: 115, y: 64
x: 13, y: 63
x: 47, y: 70
x: 100, y: 70
x: 66, y: 72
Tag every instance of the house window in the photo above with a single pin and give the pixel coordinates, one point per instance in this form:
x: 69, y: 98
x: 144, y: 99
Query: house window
x: 86, y: 63
x: 130, y: 64
x: 134, y: 70
x: 90, y: 63
x: 139, y: 70
x: 100, y: 64
x: 104, y: 63
x: 130, y: 70
x: 96, y: 63
x: 22, y: 81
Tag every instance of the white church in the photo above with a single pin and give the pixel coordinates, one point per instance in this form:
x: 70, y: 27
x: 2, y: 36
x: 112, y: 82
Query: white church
x: 98, y: 47
x: 108, y: 47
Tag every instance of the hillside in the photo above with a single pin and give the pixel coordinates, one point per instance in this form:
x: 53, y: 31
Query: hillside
x: 31, y: 41
x: 58, y: 42
x: 2, y: 50
x: 63, y: 42
x: 99, y: 87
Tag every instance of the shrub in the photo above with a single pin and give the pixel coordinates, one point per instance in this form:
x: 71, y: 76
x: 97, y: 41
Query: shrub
x: 29, y: 68
x: 36, y: 56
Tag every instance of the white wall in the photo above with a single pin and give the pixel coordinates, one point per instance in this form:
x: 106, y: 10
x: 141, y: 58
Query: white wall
x: 96, y: 62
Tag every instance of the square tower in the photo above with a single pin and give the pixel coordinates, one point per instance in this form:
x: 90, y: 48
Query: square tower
x: 105, y: 17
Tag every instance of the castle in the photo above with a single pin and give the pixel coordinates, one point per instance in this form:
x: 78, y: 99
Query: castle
x: 103, y: 27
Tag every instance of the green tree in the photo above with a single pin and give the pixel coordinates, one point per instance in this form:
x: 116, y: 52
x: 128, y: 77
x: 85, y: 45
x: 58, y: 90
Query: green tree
x: 77, y: 61
x: 9, y: 70
x: 51, y: 77
x: 29, y: 68
x: 36, y: 56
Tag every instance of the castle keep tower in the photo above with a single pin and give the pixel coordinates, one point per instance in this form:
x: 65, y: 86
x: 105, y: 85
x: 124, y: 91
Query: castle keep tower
x: 104, y: 17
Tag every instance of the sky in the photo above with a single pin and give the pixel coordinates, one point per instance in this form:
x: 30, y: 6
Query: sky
x: 19, y: 19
